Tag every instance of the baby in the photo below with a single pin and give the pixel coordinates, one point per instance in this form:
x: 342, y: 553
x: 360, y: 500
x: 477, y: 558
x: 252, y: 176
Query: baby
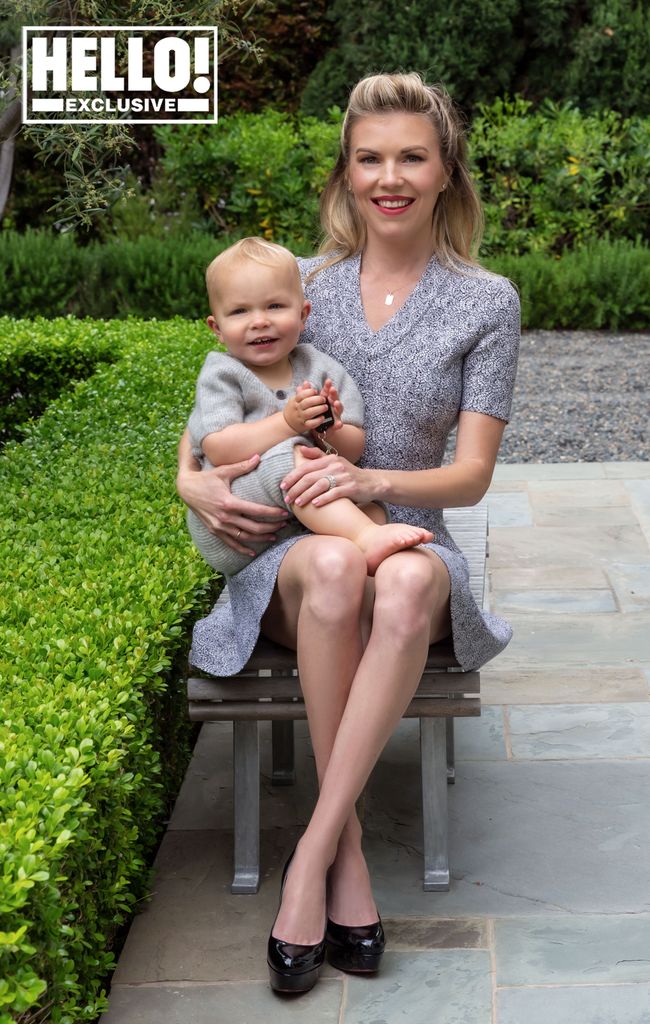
x: 268, y: 394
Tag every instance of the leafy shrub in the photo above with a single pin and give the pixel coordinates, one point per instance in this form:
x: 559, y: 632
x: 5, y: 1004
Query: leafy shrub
x: 604, y: 285
x: 153, y: 277
x: 609, y: 65
x: 555, y: 179
x: 593, y: 54
x: 40, y: 271
x: 99, y: 584
x: 451, y: 43
x: 37, y: 360
x: 259, y: 174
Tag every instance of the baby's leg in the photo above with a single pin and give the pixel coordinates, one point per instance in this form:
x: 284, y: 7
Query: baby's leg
x: 368, y: 529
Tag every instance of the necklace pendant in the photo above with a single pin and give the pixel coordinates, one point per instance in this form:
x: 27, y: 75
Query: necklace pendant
x: 388, y: 301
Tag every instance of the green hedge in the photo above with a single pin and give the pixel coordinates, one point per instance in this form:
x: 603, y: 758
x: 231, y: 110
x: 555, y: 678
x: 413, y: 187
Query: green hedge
x: 601, y: 285
x: 605, y: 285
x: 100, y: 582
x: 47, y: 275
x: 38, y: 360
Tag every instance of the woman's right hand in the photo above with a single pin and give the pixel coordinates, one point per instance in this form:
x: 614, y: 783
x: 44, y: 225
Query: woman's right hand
x: 232, y: 519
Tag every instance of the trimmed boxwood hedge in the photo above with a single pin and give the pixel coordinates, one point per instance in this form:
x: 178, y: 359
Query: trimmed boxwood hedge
x: 602, y: 285
x: 100, y: 583
x: 38, y: 359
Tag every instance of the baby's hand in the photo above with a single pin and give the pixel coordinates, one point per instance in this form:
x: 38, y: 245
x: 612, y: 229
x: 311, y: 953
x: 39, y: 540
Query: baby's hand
x: 329, y: 392
x: 305, y: 410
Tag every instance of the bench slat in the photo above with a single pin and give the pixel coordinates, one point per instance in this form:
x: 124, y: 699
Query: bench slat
x: 274, y: 711
x: 434, y: 684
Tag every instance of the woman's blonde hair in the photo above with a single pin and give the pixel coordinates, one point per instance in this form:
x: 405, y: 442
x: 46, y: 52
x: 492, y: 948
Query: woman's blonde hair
x: 457, y: 224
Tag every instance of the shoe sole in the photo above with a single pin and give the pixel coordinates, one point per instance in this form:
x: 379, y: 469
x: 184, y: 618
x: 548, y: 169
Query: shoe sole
x: 354, y: 964
x: 293, y: 982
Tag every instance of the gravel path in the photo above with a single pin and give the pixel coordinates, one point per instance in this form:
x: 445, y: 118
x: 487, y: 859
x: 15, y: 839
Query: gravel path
x: 580, y: 396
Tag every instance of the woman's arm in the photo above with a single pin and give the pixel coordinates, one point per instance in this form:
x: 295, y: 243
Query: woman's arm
x: 462, y: 483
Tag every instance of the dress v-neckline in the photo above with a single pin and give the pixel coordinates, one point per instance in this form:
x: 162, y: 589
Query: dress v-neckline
x: 394, y: 317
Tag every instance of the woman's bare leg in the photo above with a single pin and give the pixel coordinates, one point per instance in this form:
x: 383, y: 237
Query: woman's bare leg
x: 410, y: 611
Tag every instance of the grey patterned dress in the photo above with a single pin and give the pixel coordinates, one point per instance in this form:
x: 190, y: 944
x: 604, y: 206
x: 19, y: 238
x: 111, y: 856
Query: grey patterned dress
x: 452, y: 346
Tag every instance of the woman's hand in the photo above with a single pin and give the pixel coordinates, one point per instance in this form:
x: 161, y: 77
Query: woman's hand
x: 230, y: 518
x: 309, y: 482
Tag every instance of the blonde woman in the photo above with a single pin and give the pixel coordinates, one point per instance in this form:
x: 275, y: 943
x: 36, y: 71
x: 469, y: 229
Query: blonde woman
x: 431, y: 340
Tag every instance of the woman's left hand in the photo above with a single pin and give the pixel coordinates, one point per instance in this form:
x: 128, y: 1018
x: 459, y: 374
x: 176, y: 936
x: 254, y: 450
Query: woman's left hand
x: 309, y: 482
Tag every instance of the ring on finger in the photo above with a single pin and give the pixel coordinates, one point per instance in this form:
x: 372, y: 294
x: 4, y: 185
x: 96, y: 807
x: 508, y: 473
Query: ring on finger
x: 331, y: 480
x: 238, y: 534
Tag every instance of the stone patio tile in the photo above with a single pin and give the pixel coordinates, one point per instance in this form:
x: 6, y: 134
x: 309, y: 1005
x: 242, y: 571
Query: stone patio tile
x: 448, y: 986
x: 509, y: 509
x: 549, y: 577
x: 498, y: 486
x: 553, y: 494
x: 477, y: 738
x: 522, y: 547
x: 582, y: 731
x: 253, y: 1003
x: 195, y: 929
x: 579, y: 1004
x: 563, y: 949
x: 631, y: 583
x: 526, y: 838
x: 553, y: 602
x: 420, y: 933
x: 577, y: 640
x: 551, y: 471
x: 562, y: 686
x: 639, y: 491
x: 628, y: 470
x: 480, y: 739
x: 586, y: 515
x: 205, y: 797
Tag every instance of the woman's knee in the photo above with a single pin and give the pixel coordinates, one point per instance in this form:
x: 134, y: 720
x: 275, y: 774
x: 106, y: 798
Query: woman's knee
x: 410, y: 588
x: 334, y: 578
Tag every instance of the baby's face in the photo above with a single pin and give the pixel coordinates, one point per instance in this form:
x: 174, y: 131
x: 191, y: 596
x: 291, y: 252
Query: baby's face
x: 259, y: 312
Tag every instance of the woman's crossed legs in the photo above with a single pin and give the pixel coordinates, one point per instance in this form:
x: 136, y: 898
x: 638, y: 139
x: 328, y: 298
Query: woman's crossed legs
x: 362, y: 645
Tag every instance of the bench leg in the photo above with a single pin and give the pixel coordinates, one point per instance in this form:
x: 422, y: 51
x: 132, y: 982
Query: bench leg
x: 284, y: 773
x: 246, y: 799
x: 433, y: 754
x: 451, y: 756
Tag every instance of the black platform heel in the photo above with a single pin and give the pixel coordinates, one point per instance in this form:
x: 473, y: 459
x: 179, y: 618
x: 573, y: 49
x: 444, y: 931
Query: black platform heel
x: 293, y: 968
x: 355, y: 949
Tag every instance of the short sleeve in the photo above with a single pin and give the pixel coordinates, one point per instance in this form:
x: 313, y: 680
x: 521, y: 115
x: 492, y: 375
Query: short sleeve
x: 351, y: 397
x: 490, y: 365
x: 219, y: 399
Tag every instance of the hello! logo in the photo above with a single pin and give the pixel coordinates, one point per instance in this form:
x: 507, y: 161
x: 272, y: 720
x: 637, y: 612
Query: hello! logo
x: 97, y: 74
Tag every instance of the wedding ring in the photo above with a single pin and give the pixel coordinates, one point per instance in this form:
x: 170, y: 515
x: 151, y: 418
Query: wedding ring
x: 238, y: 535
x: 331, y: 480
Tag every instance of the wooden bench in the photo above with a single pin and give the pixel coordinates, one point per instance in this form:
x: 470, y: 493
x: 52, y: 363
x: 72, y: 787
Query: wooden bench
x: 267, y: 689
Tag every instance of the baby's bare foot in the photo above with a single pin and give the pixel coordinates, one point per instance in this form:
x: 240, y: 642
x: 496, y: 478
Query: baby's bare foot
x: 378, y: 542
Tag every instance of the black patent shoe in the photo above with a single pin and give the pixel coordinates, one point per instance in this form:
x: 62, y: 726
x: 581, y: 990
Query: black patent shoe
x: 355, y: 949
x: 293, y: 968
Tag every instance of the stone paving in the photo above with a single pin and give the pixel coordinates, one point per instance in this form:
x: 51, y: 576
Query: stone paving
x: 548, y: 917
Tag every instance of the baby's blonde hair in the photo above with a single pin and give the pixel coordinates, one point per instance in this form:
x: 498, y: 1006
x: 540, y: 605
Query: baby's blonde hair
x: 254, y: 250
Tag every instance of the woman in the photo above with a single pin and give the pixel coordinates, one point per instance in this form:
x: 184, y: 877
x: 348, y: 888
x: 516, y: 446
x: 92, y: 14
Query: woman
x: 431, y: 340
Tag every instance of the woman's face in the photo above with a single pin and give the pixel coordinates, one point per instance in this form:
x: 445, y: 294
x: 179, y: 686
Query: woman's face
x: 396, y: 173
